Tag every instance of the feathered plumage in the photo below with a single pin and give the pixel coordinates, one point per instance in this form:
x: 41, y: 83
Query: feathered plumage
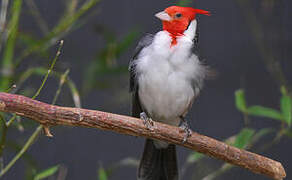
x: 165, y: 78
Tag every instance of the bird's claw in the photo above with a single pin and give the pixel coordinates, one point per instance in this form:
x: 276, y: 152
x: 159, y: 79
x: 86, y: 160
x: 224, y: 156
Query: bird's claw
x: 188, y: 133
x: 148, y: 122
x: 187, y: 130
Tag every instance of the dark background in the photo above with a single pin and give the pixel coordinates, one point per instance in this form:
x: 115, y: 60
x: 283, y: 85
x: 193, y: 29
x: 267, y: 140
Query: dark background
x: 228, y: 46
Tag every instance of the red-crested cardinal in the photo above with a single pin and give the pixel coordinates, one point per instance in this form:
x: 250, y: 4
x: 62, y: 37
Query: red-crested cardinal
x: 165, y: 78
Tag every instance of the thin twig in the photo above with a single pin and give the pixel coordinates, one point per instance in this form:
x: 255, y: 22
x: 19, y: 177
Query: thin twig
x: 50, y: 69
x: 56, y: 115
x: 42, y: 71
x: 61, y: 83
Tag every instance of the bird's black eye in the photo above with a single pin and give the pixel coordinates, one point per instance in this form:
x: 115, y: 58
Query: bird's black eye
x: 178, y: 15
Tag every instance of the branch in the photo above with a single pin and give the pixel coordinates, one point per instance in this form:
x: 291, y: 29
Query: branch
x: 50, y: 115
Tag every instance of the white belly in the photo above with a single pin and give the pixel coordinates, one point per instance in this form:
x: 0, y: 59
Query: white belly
x: 165, y: 93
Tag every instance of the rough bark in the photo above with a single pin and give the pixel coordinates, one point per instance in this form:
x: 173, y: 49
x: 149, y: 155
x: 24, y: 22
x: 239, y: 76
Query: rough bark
x: 50, y: 115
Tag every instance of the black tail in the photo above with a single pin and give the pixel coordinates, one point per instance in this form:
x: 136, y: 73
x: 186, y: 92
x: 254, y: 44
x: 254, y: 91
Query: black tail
x: 158, y: 164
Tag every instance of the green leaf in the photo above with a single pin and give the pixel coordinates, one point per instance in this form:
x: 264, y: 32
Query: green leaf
x: 46, y: 173
x: 244, y: 138
x: 240, y: 100
x: 184, y: 3
x: 12, y: 33
x: 283, y: 90
x: 286, y: 108
x: 12, y: 28
x: 102, y: 175
x: 194, y: 157
x: 264, y: 112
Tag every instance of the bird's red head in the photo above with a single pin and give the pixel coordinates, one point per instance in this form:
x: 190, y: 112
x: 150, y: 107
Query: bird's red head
x: 176, y: 19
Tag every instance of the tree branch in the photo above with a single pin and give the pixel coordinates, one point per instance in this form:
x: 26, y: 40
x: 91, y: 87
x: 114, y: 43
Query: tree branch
x: 50, y: 115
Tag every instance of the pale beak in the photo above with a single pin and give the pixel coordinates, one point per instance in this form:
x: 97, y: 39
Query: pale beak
x: 163, y: 16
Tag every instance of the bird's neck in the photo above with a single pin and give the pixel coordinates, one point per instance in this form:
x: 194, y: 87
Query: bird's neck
x: 189, y: 32
x: 174, y: 37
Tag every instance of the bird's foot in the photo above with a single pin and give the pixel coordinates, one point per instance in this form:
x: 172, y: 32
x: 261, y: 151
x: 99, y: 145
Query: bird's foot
x: 187, y: 130
x: 148, y: 122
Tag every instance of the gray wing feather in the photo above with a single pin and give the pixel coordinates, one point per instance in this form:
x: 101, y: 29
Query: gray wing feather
x: 144, y: 42
x: 136, y: 105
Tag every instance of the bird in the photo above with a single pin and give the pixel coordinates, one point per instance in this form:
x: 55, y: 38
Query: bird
x: 166, y: 76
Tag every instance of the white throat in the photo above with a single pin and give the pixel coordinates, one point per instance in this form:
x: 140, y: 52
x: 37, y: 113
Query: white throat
x: 191, y: 31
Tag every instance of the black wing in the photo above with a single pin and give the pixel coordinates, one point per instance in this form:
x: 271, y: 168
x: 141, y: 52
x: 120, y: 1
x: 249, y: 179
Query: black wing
x: 196, y: 40
x: 136, y: 106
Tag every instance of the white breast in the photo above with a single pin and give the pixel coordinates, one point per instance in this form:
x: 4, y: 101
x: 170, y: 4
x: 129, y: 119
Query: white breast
x: 165, y: 77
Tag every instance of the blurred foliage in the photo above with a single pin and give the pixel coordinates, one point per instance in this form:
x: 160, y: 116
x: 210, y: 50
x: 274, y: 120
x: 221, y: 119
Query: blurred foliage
x: 12, y: 27
x: 33, y: 45
x: 102, y: 174
x: 243, y: 138
x: 284, y: 114
x: 184, y: 3
x: 46, y: 173
x: 33, y: 137
x: 106, y: 173
x: 29, y: 45
x: 105, y: 63
x: 16, y: 47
